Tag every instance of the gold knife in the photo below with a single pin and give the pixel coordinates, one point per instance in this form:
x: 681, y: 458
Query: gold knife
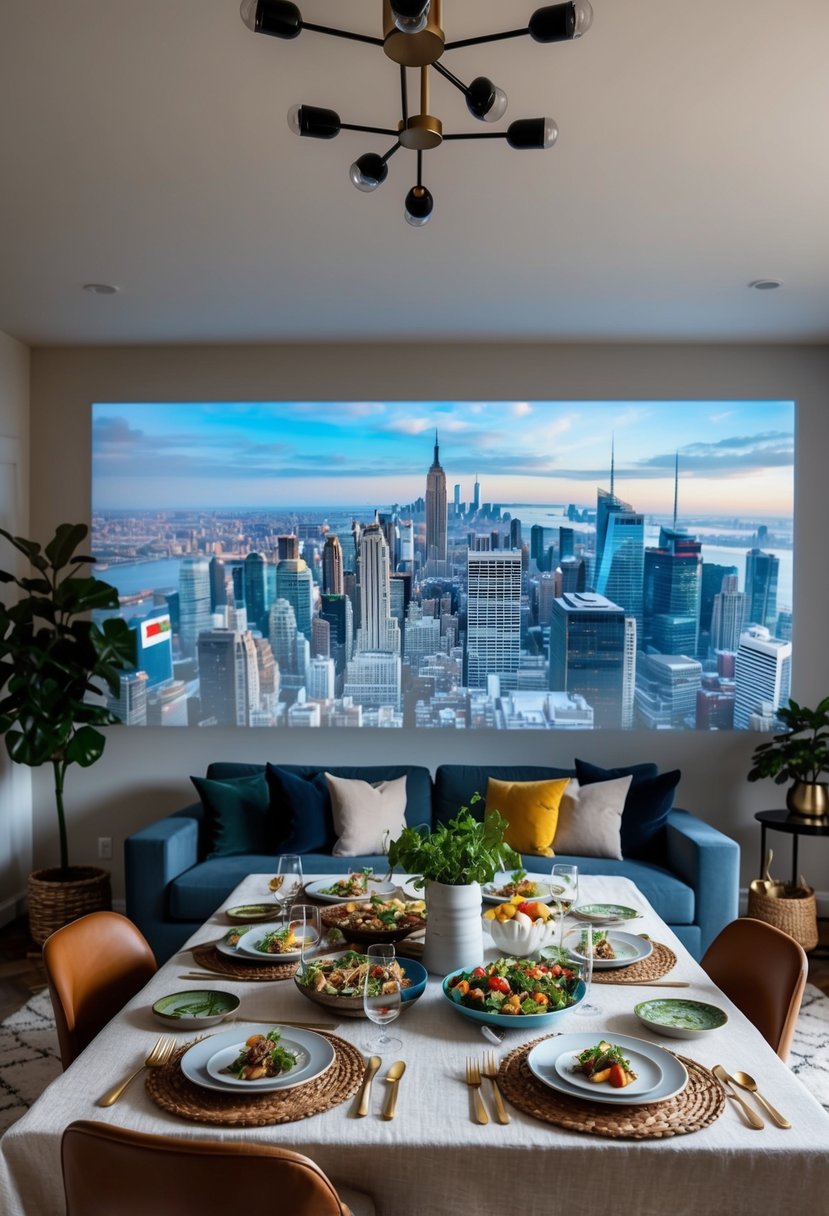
x: 365, y: 1093
x: 393, y: 1077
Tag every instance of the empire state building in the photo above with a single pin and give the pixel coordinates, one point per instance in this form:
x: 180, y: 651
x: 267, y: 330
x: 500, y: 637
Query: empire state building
x: 436, y: 517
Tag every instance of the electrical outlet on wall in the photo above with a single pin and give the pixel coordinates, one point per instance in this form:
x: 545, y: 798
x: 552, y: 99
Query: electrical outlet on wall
x: 104, y: 848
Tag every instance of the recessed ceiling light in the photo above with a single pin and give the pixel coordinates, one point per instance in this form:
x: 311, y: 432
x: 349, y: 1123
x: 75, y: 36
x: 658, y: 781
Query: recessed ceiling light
x: 101, y: 289
x: 765, y: 284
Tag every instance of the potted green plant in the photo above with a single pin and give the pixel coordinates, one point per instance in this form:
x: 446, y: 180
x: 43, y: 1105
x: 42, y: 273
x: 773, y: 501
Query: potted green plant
x: 451, y: 861
x: 799, y: 754
x: 53, y: 658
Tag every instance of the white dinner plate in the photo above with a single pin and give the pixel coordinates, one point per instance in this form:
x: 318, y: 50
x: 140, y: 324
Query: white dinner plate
x: 543, y: 1057
x: 247, y: 947
x: 545, y: 895
x: 648, y: 1075
x: 627, y: 947
x: 385, y: 890
x: 203, y: 1062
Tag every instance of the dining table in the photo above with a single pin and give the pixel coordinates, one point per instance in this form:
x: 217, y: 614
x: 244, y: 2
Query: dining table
x: 558, y: 1153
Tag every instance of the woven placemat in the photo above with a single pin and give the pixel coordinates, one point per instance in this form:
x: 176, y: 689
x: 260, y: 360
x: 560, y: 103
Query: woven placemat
x: 209, y: 957
x: 700, y: 1104
x: 170, y: 1089
x: 659, y: 962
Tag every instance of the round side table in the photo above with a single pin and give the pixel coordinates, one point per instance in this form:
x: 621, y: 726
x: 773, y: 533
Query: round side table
x: 782, y: 821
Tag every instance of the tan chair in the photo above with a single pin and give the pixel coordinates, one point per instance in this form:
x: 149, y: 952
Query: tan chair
x: 763, y: 971
x: 108, y: 1169
x: 94, y: 966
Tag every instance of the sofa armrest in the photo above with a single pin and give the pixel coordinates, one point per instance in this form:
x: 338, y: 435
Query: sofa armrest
x: 709, y: 862
x: 153, y: 857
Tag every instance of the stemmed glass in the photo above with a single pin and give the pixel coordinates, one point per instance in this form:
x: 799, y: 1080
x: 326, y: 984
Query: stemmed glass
x: 565, y: 887
x: 384, y: 1006
x: 304, y: 919
x: 288, y: 881
x: 585, y: 949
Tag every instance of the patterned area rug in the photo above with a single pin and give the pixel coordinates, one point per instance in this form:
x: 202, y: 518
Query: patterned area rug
x: 29, y: 1057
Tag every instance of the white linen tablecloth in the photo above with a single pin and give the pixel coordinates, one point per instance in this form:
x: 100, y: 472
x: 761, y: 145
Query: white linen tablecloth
x: 432, y: 1158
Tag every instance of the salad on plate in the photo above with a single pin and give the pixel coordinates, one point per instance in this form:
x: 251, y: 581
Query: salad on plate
x: 515, y: 986
x: 262, y: 1056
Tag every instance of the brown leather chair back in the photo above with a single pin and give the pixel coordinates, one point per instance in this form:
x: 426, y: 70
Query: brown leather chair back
x: 763, y: 971
x: 108, y: 1169
x: 94, y: 966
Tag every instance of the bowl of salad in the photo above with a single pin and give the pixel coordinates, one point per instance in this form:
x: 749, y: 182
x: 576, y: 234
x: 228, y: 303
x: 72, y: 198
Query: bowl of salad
x: 376, y: 920
x: 517, y: 993
x: 337, y: 981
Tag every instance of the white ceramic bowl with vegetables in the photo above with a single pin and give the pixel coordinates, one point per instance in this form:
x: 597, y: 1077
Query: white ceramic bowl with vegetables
x: 520, y: 927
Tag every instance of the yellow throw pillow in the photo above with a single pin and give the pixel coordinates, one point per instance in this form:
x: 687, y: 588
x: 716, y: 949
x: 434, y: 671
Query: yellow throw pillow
x: 531, y: 810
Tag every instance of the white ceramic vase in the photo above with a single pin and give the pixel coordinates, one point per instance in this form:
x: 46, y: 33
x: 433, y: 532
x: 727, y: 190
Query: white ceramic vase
x: 454, y: 934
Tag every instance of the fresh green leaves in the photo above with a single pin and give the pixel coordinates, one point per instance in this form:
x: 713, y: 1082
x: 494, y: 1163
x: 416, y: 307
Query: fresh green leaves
x: 53, y: 658
x: 801, y: 753
x: 462, y: 851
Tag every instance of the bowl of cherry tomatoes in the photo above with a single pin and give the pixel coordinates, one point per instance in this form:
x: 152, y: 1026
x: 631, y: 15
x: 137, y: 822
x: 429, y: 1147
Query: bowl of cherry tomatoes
x: 517, y: 993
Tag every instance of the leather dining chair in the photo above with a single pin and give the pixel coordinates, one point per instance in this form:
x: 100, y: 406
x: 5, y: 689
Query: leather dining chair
x: 94, y: 965
x: 108, y: 1169
x: 763, y: 971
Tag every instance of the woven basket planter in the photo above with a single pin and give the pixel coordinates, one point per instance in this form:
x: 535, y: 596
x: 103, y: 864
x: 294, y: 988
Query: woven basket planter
x: 794, y: 913
x: 57, y: 897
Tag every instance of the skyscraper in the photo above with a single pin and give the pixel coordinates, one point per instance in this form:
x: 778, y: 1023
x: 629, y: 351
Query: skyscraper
x: 295, y: 584
x: 154, y: 646
x: 194, y: 602
x: 762, y: 570
x: 332, y: 566
x: 224, y: 675
x: 666, y: 690
x: 336, y: 610
x: 436, y: 516
x: 728, y: 616
x: 588, y: 644
x: 493, y: 615
x: 256, y: 599
x: 218, y: 584
x: 476, y: 495
x: 620, y: 572
x: 763, y: 674
x: 131, y: 703
x: 379, y: 630
x: 287, y: 547
x: 673, y: 588
x: 291, y: 649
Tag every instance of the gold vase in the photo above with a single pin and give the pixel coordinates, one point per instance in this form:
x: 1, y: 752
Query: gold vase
x: 808, y: 799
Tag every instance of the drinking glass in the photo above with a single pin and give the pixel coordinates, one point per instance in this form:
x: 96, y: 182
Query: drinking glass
x: 585, y: 948
x: 304, y: 919
x: 564, y: 880
x: 288, y: 881
x: 383, y: 1007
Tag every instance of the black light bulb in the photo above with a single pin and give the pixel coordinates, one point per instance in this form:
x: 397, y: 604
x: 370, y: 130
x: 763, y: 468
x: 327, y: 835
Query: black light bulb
x: 485, y: 100
x: 419, y: 205
x: 559, y: 22
x: 276, y: 17
x: 532, y: 133
x: 410, y: 16
x: 368, y: 172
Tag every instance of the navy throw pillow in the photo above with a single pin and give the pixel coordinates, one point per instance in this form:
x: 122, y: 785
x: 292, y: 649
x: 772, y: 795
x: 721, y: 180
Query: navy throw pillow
x: 237, y: 815
x: 649, y: 799
x: 302, y: 807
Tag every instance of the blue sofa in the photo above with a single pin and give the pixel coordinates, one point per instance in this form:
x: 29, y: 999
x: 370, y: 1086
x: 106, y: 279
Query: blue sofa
x: 172, y: 886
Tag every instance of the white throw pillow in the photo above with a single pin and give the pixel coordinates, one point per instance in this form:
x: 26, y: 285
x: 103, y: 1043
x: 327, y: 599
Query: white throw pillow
x: 366, y: 817
x: 590, y: 819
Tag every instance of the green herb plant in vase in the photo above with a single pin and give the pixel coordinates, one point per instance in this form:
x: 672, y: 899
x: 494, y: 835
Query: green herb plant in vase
x: 799, y: 754
x: 451, y: 861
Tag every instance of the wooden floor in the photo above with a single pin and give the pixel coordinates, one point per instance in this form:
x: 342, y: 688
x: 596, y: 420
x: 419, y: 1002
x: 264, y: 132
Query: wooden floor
x: 21, y: 971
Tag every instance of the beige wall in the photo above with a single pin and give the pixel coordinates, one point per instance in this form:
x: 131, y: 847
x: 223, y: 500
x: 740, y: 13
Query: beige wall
x: 145, y: 773
x: 15, y: 782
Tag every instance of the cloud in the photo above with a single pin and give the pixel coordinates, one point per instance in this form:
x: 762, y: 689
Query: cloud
x: 409, y: 426
x: 520, y: 409
x: 734, y: 456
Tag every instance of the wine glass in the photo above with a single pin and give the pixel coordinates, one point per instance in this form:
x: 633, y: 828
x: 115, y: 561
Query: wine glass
x: 565, y: 887
x: 288, y: 881
x: 382, y: 997
x: 585, y: 949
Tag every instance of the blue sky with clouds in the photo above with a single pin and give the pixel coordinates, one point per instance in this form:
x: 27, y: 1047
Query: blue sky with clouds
x: 734, y: 457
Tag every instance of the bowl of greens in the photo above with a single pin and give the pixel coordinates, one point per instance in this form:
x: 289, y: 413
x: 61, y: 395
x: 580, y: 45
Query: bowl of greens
x: 515, y: 993
x: 196, y: 1009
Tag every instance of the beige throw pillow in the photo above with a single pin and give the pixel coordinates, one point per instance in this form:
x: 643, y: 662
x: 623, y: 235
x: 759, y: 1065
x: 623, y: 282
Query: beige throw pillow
x: 366, y: 817
x: 590, y: 819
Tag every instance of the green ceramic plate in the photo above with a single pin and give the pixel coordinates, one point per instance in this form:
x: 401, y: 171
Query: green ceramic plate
x: 680, y: 1019
x: 196, y: 1009
x: 604, y: 913
x: 251, y: 912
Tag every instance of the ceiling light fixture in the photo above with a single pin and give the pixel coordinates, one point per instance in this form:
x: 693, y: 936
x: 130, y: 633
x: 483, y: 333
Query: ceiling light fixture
x: 101, y: 289
x: 413, y: 37
x: 765, y: 284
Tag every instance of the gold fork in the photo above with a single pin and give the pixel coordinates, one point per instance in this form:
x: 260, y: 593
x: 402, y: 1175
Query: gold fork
x: 473, y: 1080
x: 490, y: 1071
x: 158, y: 1054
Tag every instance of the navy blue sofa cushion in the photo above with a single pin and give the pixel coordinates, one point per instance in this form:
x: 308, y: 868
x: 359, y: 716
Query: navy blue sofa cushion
x: 648, y: 801
x: 302, y: 807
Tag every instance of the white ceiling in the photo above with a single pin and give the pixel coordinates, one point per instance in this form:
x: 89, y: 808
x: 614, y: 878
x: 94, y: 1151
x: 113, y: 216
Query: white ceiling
x: 144, y: 144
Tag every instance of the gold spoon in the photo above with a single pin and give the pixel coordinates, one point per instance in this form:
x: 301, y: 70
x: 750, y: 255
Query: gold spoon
x: 726, y: 1080
x: 393, y: 1077
x: 365, y: 1096
x: 746, y: 1082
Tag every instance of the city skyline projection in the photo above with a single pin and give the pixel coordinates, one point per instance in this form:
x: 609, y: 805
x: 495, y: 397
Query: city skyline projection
x: 452, y: 565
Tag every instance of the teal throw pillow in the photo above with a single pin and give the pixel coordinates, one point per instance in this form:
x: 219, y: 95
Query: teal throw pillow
x: 237, y: 815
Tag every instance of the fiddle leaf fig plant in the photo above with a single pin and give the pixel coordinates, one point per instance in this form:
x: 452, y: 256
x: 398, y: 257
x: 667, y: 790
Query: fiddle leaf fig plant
x: 801, y: 752
x: 463, y: 850
x: 53, y: 657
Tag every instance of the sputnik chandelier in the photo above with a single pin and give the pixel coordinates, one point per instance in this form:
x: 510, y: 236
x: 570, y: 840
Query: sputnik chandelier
x: 413, y: 37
